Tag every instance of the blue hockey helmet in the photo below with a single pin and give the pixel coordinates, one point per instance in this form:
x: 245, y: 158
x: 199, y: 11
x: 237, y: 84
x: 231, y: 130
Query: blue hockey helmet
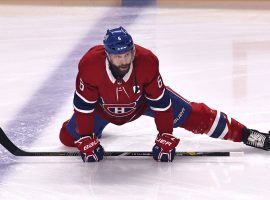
x: 117, y: 41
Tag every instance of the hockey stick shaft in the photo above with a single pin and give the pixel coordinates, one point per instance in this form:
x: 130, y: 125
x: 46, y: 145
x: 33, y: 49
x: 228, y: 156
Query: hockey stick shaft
x: 12, y: 148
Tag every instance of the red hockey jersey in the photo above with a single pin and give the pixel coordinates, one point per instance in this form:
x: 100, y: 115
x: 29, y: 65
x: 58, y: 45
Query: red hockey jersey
x: 120, y: 101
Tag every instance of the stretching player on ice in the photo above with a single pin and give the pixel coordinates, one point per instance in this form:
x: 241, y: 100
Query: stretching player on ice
x: 118, y: 82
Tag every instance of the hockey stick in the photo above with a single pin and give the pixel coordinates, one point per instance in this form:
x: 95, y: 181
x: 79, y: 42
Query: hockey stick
x: 12, y: 148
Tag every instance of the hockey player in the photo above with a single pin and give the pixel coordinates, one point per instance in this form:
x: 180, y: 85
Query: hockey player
x: 118, y: 82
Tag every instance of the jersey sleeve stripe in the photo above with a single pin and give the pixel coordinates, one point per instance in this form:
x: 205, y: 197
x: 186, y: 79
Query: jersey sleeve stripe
x: 157, y: 99
x: 162, y: 104
x: 81, y: 105
x: 83, y: 111
x: 161, y: 109
x: 84, y: 99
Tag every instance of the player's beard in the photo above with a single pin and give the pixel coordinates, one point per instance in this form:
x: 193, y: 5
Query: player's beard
x: 119, y: 71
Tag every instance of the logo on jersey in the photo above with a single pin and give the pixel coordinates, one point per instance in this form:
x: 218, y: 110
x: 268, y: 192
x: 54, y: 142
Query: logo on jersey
x: 136, y: 89
x: 119, y: 110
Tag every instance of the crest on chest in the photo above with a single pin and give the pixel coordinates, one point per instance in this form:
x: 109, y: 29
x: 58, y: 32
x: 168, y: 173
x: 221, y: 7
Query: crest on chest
x: 119, y: 110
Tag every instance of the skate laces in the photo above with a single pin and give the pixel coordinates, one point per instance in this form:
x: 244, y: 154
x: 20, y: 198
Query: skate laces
x: 256, y: 139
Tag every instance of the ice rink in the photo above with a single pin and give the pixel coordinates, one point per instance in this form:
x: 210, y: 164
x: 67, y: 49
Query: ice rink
x: 216, y: 52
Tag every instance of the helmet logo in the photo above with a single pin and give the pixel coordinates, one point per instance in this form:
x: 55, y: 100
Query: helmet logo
x: 121, y: 48
x: 119, y: 38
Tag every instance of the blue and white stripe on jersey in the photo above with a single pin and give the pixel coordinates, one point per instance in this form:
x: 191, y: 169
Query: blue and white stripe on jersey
x: 162, y: 103
x: 219, y: 128
x: 82, y: 105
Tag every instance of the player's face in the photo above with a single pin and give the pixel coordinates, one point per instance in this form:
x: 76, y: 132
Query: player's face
x: 122, y: 61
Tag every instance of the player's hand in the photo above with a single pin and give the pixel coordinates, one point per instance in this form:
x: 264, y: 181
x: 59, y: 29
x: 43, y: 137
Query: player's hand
x: 164, y: 149
x: 90, y: 148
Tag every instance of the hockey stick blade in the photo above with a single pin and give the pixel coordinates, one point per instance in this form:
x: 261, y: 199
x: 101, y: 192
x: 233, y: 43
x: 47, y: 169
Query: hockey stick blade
x: 13, y: 149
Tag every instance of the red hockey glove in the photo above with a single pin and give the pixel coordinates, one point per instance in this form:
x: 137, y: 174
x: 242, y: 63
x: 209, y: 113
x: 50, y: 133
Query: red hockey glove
x: 90, y: 148
x: 164, y: 149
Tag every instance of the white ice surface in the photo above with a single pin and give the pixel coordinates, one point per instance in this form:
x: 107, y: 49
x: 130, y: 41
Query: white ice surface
x: 211, y: 55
